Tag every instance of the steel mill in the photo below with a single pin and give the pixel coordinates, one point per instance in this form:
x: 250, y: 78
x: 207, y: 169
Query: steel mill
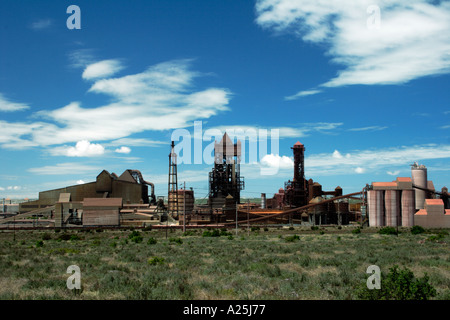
x: 113, y: 201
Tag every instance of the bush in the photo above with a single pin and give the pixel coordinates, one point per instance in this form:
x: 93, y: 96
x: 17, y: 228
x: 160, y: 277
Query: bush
x: 255, y: 229
x: 136, y: 237
x: 214, y: 233
x: 230, y: 237
x: 291, y: 228
x: 46, y: 236
x: 155, y: 260
x: 388, y: 230
x: 152, y: 241
x: 314, y: 228
x: 176, y: 240
x: 292, y: 238
x: 147, y: 228
x: 400, y: 285
x: 74, y: 237
x: 266, y: 229
x: 64, y: 236
x: 356, y: 231
x: 417, y: 230
x: 39, y: 243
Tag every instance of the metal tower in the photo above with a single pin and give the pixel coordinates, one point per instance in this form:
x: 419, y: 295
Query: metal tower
x: 172, y: 202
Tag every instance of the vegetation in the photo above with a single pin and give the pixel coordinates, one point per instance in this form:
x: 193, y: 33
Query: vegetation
x: 400, y: 285
x: 275, y: 264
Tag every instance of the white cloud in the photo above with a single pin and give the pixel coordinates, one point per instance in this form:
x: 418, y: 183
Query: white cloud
x: 160, y: 98
x: 102, y: 69
x: 80, y: 182
x: 325, y: 164
x: 370, y: 128
x: 83, y: 148
x: 302, y: 94
x: 445, y: 127
x: 359, y: 170
x: 8, y: 106
x: 397, y: 52
x: 337, y: 155
x: 123, y: 149
x: 393, y: 173
x: 64, y: 168
x: 15, y: 188
x: 41, y: 24
x: 277, y: 161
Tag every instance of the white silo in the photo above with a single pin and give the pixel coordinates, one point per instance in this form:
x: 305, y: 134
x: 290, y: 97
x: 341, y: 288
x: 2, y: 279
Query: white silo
x: 419, y: 179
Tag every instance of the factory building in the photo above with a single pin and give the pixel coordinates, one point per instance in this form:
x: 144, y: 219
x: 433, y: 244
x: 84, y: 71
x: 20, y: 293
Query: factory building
x: 408, y: 201
x: 129, y: 186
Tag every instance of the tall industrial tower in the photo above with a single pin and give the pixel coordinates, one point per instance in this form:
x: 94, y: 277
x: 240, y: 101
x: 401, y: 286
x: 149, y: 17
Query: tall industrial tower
x: 297, y: 190
x: 225, y: 179
x: 172, y: 200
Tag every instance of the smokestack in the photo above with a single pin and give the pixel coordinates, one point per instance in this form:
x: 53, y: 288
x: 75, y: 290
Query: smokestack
x: 263, y: 200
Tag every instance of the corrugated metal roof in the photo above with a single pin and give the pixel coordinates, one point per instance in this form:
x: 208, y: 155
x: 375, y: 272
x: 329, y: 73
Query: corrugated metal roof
x: 102, y: 202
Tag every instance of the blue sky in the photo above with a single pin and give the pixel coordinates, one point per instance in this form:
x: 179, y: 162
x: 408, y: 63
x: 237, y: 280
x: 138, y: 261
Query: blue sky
x: 366, y: 91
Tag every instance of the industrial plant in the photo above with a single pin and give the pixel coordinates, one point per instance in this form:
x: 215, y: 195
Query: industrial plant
x: 128, y: 200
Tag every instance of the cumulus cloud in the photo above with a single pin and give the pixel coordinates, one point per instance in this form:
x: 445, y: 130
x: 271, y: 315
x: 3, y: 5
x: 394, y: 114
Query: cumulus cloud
x: 83, y: 148
x: 395, y: 52
x: 393, y: 173
x: 102, y: 69
x: 123, y: 149
x: 277, y: 161
x: 359, y: 170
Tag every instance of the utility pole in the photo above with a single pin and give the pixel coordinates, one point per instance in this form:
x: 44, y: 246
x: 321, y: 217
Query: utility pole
x: 236, y: 217
x: 248, y: 216
x: 184, y: 207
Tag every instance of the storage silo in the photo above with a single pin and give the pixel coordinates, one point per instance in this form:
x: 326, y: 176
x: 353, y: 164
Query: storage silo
x: 375, y: 208
x: 263, y: 200
x: 392, y: 207
x: 419, y: 178
x: 408, y: 207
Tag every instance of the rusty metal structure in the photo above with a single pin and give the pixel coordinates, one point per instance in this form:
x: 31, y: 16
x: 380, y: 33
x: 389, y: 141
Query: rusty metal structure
x: 296, y: 191
x: 225, y: 178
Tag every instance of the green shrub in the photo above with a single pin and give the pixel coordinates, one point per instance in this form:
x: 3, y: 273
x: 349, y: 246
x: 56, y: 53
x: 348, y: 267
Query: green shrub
x: 213, y: 233
x: 291, y: 228
x: 388, y: 230
x: 314, y: 228
x: 147, y: 228
x: 356, y: 231
x: 436, y: 237
x: 155, y: 260
x: 417, y: 230
x: 266, y: 229
x: 292, y: 238
x: 135, y: 237
x: 74, y: 237
x: 152, y: 241
x: 255, y: 228
x: 176, y: 240
x: 39, y: 244
x: 230, y: 237
x: 400, y: 285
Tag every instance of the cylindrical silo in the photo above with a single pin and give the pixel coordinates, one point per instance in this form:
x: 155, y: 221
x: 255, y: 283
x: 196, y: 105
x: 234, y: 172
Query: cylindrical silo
x: 392, y: 207
x: 408, y: 208
x: 419, y: 178
x: 375, y: 208
x: 263, y: 200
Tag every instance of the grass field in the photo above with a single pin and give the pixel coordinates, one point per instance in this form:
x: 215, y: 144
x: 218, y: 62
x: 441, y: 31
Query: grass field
x: 328, y: 263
